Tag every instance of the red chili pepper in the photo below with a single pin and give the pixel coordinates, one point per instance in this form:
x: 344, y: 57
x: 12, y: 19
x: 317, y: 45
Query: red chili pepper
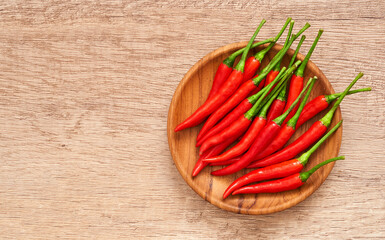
x: 306, y: 139
x: 243, y: 107
x: 236, y: 98
x: 232, y: 132
x: 279, y: 104
x: 296, y: 82
x: 312, y: 108
x: 226, y: 67
x: 320, y: 103
x: 242, y: 92
x: 272, y: 75
x: 284, y: 184
x: 278, y: 170
x: 252, y: 63
x: 212, y: 152
x: 284, y: 134
x: 251, y: 134
x: 225, y: 91
x: 227, y: 162
x: 246, y: 87
x: 277, y: 107
x: 265, y: 136
x: 259, y: 87
x: 239, y: 126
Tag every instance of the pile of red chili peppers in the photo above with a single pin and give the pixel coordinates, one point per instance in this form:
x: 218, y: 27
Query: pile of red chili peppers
x: 250, y: 116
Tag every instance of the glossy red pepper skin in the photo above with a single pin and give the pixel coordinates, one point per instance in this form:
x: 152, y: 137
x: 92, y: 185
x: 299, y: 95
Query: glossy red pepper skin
x: 276, y: 109
x: 227, y: 162
x: 242, y: 146
x: 242, y: 92
x: 265, y: 136
x: 223, y: 72
x: 210, y: 153
x: 312, y: 108
x: 232, y: 132
x: 251, y: 66
x: 279, y: 170
x: 259, y: 87
x: 279, y: 141
x: 243, y: 107
x: 296, y: 86
x: 271, y: 76
x: 280, y: 185
x: 285, y: 168
x: 211, y: 104
x: 303, y: 142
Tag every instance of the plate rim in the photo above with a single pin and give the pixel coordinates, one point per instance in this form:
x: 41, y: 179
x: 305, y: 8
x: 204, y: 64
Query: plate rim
x: 222, y: 203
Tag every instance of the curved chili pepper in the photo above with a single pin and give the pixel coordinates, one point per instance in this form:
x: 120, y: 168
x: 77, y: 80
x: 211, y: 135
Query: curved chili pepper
x: 279, y: 104
x: 320, y: 103
x: 259, y: 87
x: 278, y: 170
x: 284, y: 134
x: 256, y: 81
x: 224, y: 92
x: 226, y: 67
x: 242, y: 92
x: 236, y: 98
x: 243, y: 107
x: 232, y: 132
x: 227, y: 162
x: 239, y: 126
x: 296, y: 82
x: 306, y: 139
x: 212, y: 152
x: 265, y: 136
x: 277, y: 107
x: 284, y: 184
x: 252, y: 63
x: 251, y: 134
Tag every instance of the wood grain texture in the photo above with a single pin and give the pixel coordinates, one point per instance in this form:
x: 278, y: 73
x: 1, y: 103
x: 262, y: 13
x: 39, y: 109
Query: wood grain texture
x: 85, y: 90
x: 193, y: 91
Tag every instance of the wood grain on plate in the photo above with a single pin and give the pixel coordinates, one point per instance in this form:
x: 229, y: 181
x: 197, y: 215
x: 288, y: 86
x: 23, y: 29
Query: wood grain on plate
x: 192, y: 92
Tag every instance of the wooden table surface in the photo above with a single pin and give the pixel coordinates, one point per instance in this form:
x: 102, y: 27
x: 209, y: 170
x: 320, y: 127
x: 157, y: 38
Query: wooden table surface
x: 85, y: 91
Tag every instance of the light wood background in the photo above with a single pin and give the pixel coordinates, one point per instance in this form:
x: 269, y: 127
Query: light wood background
x: 85, y: 90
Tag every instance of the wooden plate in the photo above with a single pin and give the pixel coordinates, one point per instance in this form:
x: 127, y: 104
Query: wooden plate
x: 193, y: 91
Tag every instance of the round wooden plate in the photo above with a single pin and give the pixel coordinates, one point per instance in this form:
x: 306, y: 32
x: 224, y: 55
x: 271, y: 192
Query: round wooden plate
x: 193, y: 91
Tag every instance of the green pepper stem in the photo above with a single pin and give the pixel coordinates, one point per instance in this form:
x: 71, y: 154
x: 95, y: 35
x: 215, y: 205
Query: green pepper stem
x: 303, y: 29
x: 282, y: 94
x: 229, y: 61
x: 279, y: 55
x: 303, y: 159
x: 293, y: 121
x: 304, y: 176
x: 326, y: 120
x: 252, y: 99
x: 301, y: 68
x: 297, y: 50
x: 272, y: 63
x: 330, y: 98
x: 255, y: 108
x: 279, y: 120
x: 241, y: 64
x: 261, y: 54
x: 277, y: 66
